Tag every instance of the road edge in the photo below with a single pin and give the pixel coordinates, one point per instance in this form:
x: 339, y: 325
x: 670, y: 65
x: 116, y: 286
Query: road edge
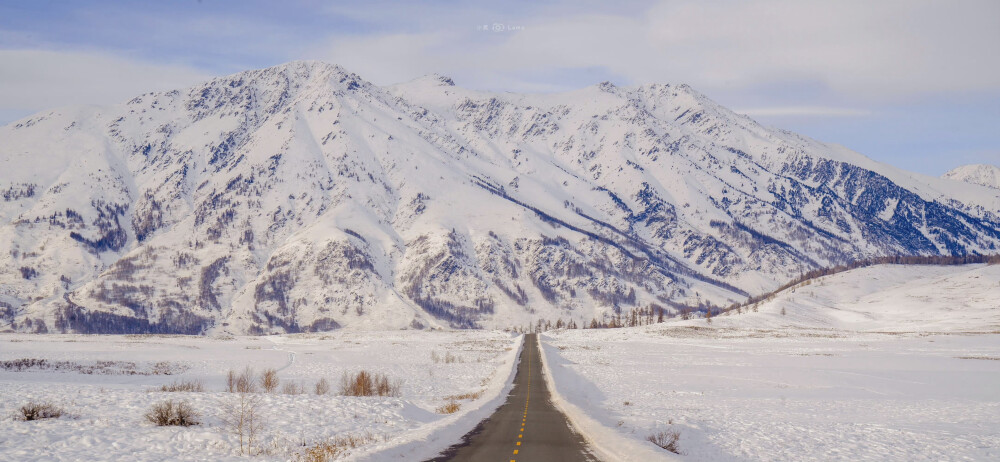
x: 610, y: 445
x: 428, y: 441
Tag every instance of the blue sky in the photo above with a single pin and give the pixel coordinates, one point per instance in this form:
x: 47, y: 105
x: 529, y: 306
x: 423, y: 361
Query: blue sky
x: 914, y: 83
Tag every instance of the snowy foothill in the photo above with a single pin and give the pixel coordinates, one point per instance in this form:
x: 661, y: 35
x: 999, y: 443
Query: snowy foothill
x: 888, y: 363
x: 106, y: 384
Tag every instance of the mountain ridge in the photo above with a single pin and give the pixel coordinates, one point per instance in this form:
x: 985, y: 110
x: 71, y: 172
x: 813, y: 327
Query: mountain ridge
x: 302, y: 197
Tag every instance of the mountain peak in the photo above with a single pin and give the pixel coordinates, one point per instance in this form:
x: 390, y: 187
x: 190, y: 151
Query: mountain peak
x: 296, y: 72
x: 443, y: 79
x: 309, y: 65
x: 430, y: 80
x: 607, y: 86
x: 981, y: 174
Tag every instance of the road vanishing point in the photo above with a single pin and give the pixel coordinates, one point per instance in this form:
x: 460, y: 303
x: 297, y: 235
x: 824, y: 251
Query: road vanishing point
x: 526, y: 428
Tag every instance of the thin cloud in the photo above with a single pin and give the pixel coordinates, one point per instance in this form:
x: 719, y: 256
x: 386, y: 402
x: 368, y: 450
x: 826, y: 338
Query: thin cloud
x: 33, y: 80
x: 804, y: 111
x: 887, y: 51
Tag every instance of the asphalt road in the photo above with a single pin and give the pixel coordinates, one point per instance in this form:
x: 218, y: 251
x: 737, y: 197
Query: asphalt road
x: 527, y: 427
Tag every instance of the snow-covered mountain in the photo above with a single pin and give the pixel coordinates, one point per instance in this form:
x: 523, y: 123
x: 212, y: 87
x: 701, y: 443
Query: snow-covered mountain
x: 302, y: 197
x: 981, y: 174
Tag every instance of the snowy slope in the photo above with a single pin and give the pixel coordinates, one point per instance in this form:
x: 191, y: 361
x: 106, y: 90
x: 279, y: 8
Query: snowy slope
x: 981, y: 174
x: 885, y: 298
x: 303, y: 198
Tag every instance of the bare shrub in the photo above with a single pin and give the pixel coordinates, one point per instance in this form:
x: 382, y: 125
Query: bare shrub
x: 269, y: 380
x: 172, y: 413
x: 192, y: 385
x: 450, y: 407
x: 293, y: 388
x: 322, y: 387
x: 242, y: 382
x: 365, y: 383
x: 666, y: 440
x: 383, y: 387
x: 231, y: 381
x: 242, y: 416
x: 39, y: 411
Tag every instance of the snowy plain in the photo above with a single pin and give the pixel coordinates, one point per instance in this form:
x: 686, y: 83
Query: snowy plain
x: 106, y: 406
x: 888, y: 363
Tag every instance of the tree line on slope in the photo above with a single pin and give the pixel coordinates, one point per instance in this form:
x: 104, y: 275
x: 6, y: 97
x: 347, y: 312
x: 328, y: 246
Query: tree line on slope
x: 653, y: 313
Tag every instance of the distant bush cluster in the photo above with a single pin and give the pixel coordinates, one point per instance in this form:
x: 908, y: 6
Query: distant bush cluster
x: 194, y: 386
x: 248, y: 381
x: 448, y: 358
x: 92, y: 368
x: 364, y: 383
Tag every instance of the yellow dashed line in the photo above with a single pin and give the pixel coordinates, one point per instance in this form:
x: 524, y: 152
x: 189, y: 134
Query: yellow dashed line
x: 527, y: 399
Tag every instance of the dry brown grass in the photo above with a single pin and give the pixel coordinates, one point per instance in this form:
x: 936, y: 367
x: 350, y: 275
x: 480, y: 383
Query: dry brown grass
x: 326, y: 451
x: 365, y: 383
x: 450, y: 407
x: 470, y: 396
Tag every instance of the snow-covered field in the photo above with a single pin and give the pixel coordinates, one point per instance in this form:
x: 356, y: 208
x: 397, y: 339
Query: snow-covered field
x: 883, y: 363
x: 108, y: 404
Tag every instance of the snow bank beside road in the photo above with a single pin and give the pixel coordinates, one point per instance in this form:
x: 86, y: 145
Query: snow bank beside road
x: 580, y: 401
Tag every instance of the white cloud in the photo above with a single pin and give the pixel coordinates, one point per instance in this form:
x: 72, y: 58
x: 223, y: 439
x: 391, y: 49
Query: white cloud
x: 853, y: 53
x: 34, y: 80
x: 887, y: 50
